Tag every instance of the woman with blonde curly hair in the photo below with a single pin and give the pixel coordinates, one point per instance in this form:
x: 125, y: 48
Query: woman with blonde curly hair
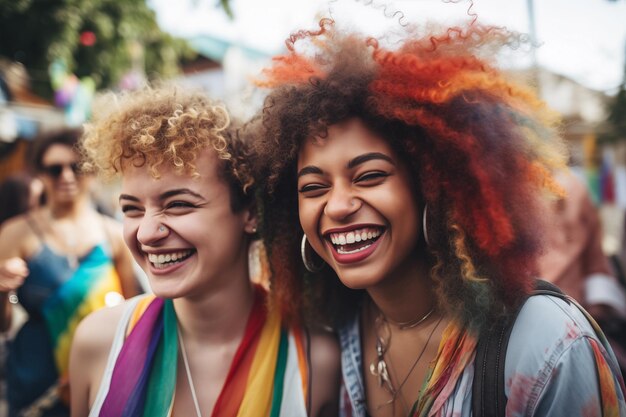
x: 402, y: 207
x: 205, y: 342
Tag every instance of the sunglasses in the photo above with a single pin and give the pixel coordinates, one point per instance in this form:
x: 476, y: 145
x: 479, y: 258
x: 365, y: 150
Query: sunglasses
x: 55, y: 170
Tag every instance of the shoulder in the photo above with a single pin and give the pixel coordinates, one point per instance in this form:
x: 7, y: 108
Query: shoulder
x: 95, y: 333
x: 114, y: 233
x: 325, y: 351
x: 113, y: 228
x: 552, y: 351
x: 112, y: 224
x: 14, y: 234
x: 91, y: 346
x: 325, y: 363
x: 551, y: 319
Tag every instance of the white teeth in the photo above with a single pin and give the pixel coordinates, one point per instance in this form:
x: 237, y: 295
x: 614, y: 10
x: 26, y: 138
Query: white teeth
x: 342, y: 251
x: 161, y: 261
x: 354, y: 236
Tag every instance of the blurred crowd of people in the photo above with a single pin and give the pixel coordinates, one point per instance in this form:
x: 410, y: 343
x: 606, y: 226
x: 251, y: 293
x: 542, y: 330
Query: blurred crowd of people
x: 60, y: 259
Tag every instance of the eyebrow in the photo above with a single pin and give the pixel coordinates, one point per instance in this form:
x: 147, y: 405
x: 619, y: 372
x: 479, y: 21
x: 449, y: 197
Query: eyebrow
x: 361, y: 159
x: 309, y: 169
x: 165, y: 195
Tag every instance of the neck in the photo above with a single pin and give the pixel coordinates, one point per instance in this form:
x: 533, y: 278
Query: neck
x: 219, y: 317
x: 71, y: 210
x: 405, y: 297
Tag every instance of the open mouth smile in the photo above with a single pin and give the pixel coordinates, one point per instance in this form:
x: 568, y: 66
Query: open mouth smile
x: 354, y: 245
x: 166, y: 260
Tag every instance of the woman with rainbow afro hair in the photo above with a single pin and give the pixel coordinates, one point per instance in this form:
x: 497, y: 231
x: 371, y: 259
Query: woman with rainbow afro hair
x: 403, y: 207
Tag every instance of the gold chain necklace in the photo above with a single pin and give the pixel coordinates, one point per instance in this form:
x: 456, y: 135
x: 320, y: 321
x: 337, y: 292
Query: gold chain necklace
x: 411, y: 323
x: 379, y: 367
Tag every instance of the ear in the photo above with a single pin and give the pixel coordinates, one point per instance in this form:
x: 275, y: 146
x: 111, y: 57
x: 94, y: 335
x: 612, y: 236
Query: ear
x: 250, y: 219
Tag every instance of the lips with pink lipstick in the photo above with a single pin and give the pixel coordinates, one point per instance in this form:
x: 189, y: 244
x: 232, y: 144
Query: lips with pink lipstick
x: 354, y: 245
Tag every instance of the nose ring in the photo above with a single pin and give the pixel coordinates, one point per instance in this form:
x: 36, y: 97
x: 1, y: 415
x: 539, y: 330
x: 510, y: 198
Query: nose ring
x: 161, y: 228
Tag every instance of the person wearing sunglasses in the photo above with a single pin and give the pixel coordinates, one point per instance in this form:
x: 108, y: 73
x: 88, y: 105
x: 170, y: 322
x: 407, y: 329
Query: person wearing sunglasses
x: 60, y: 262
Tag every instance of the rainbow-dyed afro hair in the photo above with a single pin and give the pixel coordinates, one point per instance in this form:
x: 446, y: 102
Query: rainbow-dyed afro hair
x: 481, y: 149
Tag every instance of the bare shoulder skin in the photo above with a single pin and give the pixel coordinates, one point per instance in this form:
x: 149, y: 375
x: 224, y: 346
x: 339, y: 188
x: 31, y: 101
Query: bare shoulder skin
x: 89, y: 354
x: 325, y: 374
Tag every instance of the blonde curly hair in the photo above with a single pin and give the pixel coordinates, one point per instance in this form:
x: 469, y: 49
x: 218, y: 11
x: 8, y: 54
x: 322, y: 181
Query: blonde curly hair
x: 163, y: 126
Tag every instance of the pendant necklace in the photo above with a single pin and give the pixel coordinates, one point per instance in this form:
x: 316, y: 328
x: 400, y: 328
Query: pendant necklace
x: 379, y: 367
x: 194, y: 397
x: 69, y: 242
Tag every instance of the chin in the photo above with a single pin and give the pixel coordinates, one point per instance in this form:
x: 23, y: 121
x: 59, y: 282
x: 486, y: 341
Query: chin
x: 165, y: 289
x: 358, y: 281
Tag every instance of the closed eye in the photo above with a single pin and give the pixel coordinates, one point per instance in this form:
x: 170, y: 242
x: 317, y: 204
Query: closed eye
x: 309, y: 189
x: 129, y: 209
x: 371, y: 177
x: 179, y: 205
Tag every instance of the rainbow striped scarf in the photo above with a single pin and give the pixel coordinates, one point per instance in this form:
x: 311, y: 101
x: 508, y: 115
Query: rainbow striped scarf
x: 144, y: 377
x: 82, y: 294
x: 457, y: 350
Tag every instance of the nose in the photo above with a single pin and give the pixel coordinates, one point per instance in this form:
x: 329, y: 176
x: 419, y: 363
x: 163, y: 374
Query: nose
x: 151, y: 230
x: 341, y: 203
x: 67, y: 174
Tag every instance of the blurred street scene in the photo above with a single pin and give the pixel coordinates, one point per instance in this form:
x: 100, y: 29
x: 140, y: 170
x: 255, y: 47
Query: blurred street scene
x: 56, y: 56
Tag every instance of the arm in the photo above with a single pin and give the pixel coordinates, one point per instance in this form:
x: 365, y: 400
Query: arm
x: 13, y: 269
x: 325, y: 374
x: 123, y: 260
x: 574, y: 387
x: 555, y: 363
x: 89, y: 354
x: 604, y: 297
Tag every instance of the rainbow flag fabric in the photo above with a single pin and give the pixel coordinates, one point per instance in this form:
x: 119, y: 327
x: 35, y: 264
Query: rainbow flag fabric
x: 144, y: 376
x: 85, y: 292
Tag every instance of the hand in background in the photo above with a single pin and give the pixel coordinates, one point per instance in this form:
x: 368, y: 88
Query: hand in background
x: 13, y: 271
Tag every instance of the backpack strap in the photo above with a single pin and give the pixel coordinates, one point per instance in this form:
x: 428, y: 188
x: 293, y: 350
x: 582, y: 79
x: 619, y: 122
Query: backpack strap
x: 488, y: 398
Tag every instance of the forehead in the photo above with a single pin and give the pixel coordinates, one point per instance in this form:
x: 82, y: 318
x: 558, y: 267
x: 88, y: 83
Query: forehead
x: 139, y: 180
x: 59, y: 153
x: 344, y: 141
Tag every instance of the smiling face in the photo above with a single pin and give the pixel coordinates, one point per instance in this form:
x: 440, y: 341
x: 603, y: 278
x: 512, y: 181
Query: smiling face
x: 357, y: 206
x: 182, y: 231
x: 61, y: 176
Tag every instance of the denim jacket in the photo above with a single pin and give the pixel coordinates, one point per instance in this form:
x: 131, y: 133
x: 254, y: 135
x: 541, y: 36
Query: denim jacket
x: 556, y: 365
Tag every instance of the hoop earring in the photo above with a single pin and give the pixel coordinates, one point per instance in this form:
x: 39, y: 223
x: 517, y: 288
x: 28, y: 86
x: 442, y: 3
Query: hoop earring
x: 305, y: 251
x: 425, y: 224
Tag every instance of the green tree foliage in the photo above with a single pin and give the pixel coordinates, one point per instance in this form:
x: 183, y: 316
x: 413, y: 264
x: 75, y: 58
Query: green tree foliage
x: 39, y: 32
x: 617, y: 115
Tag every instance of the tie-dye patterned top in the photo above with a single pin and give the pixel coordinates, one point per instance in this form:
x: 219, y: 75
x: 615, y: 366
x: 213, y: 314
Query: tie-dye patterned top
x: 557, y: 364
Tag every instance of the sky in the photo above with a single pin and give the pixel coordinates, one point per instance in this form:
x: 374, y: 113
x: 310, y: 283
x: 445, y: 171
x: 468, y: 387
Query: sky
x: 582, y: 39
